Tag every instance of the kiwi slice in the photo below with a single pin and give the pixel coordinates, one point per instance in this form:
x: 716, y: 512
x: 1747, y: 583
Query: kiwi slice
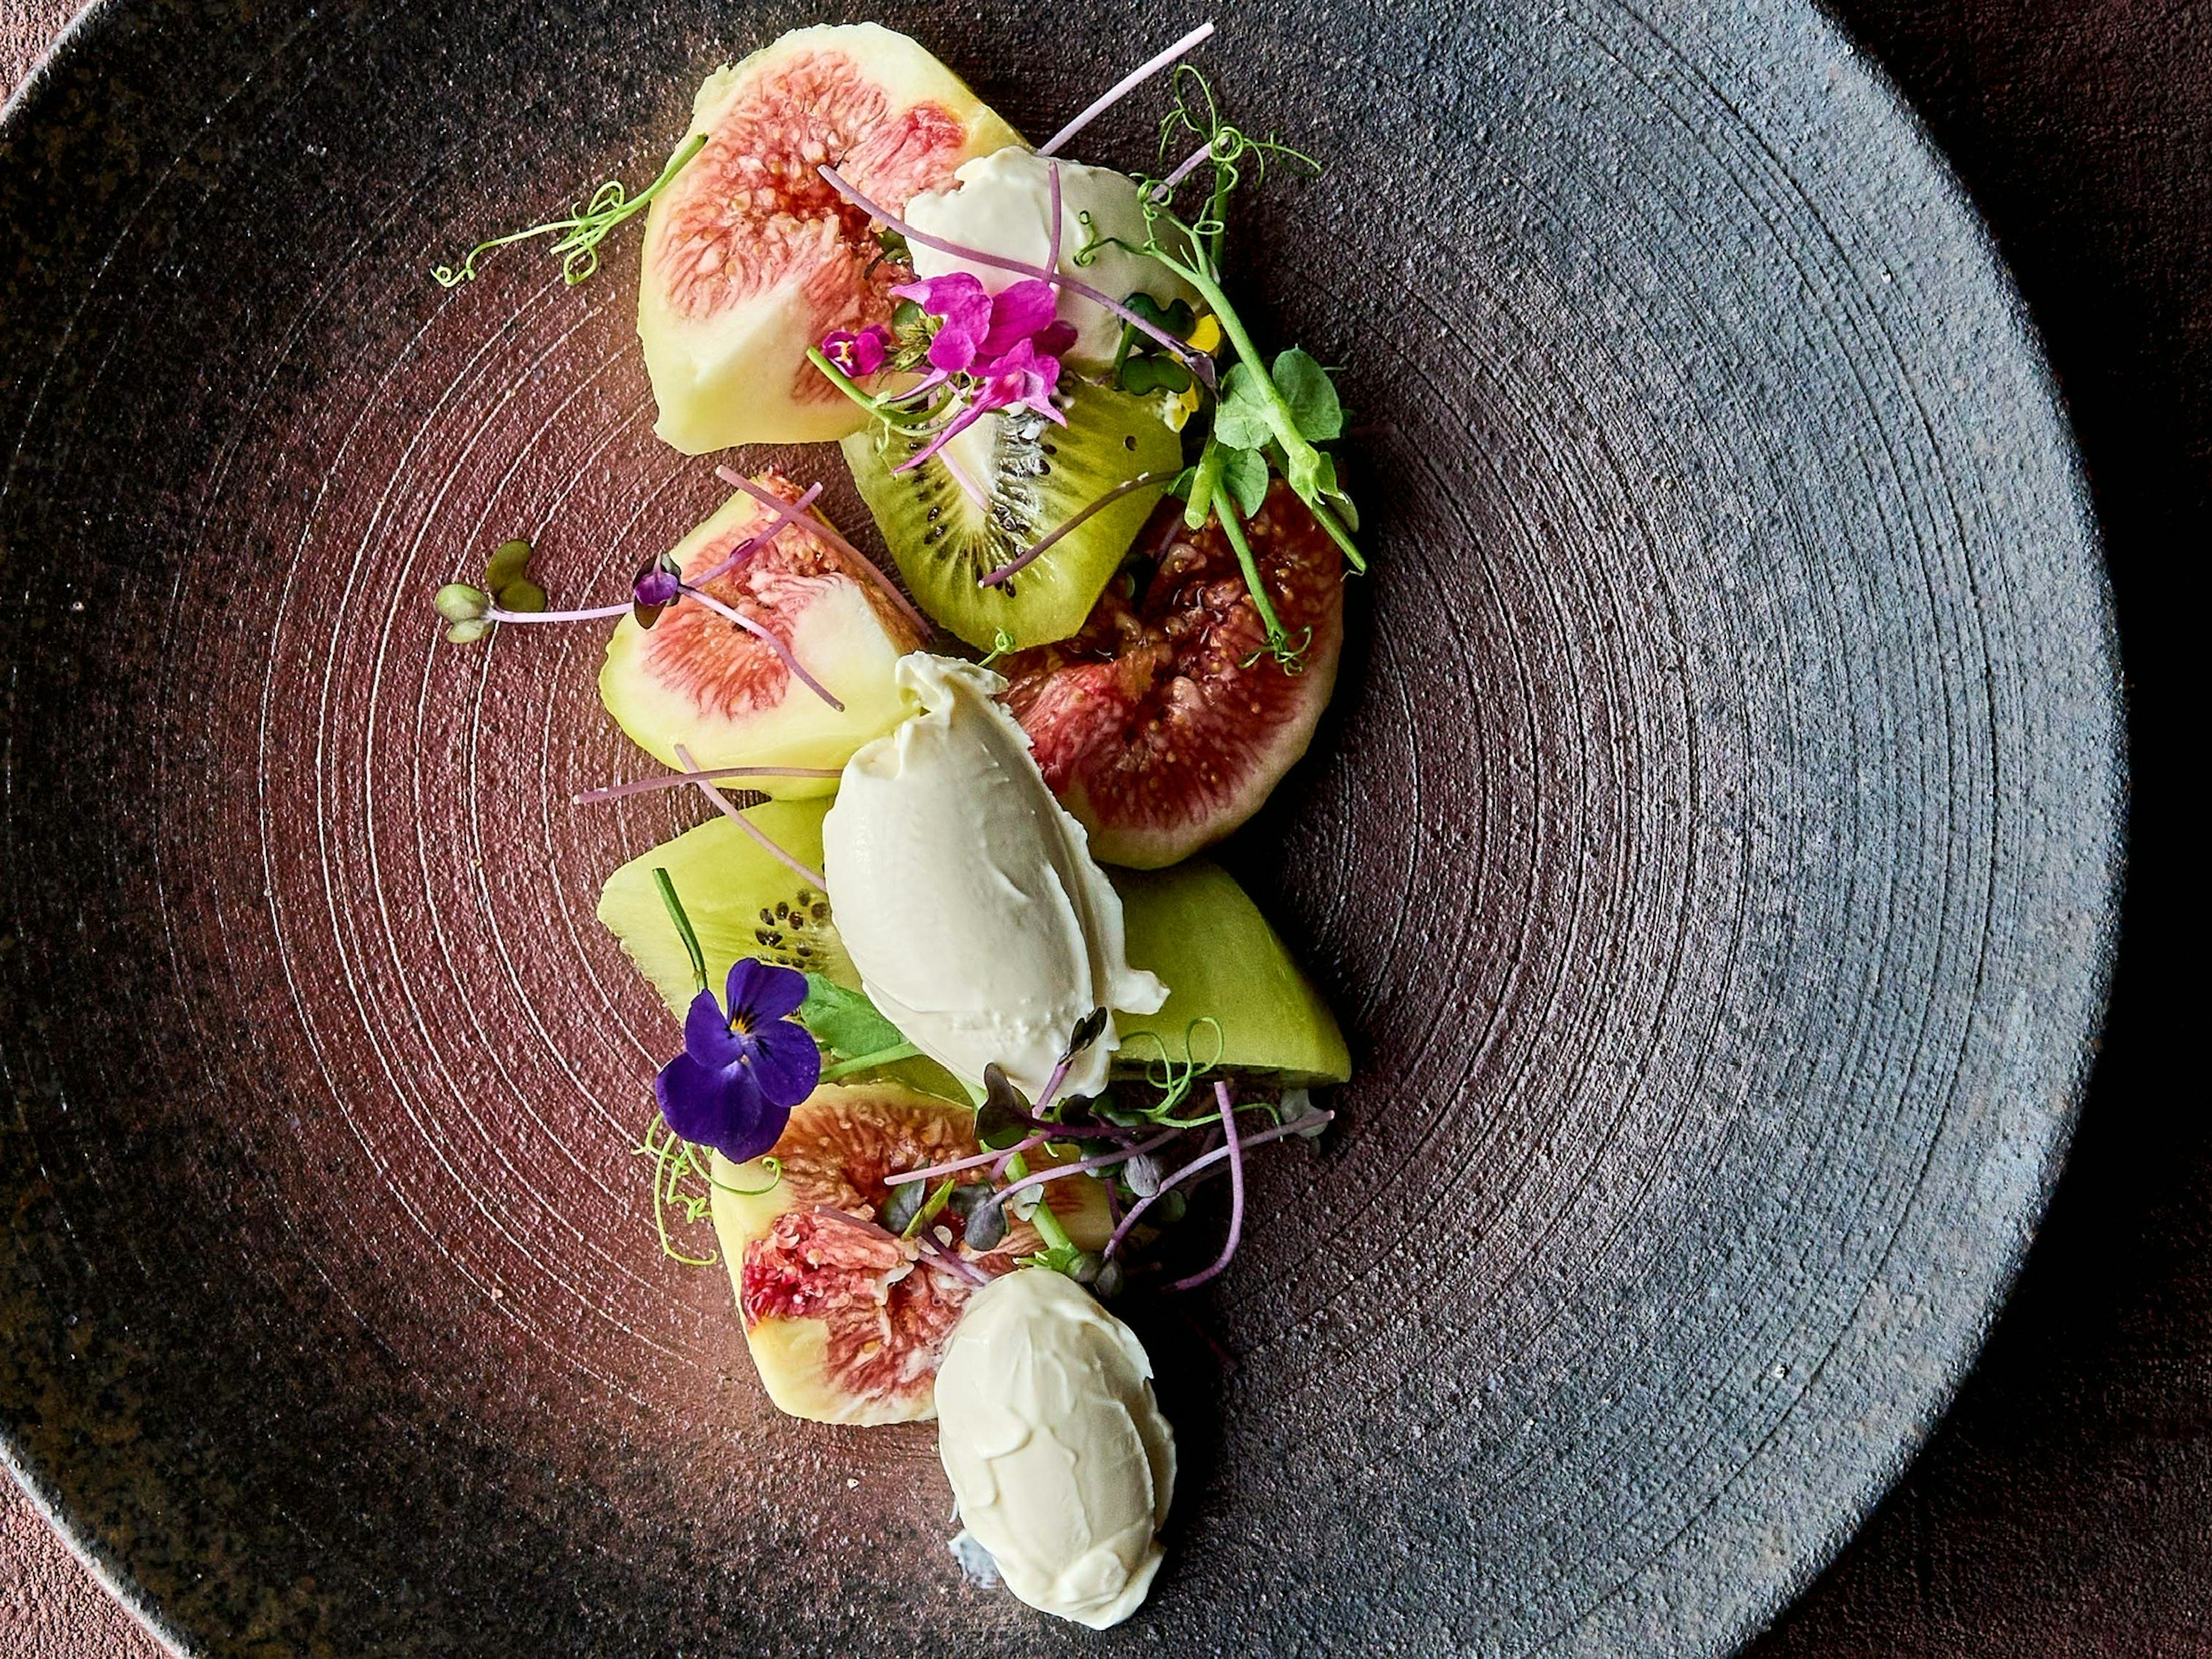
x: 1037, y: 476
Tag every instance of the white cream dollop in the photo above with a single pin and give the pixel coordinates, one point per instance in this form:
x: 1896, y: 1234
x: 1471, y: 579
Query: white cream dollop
x: 1062, y: 1463
x: 1003, y: 205
x: 968, y: 897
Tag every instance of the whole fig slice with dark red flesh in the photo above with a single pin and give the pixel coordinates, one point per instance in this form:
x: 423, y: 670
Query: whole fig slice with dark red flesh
x: 1165, y: 721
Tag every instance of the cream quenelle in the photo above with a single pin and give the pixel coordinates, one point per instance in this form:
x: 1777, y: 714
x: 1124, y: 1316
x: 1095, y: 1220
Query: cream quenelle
x: 1062, y: 1463
x: 1004, y: 206
x: 967, y: 896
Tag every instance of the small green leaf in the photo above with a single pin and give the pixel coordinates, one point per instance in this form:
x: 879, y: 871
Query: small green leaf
x: 903, y: 1205
x: 467, y: 633
x: 1180, y: 488
x: 1141, y: 375
x: 1310, y: 393
x: 506, y: 565
x: 456, y: 602
x: 1245, y: 473
x: 845, y: 1022
x: 1178, y: 318
x: 524, y: 595
x: 1241, y: 420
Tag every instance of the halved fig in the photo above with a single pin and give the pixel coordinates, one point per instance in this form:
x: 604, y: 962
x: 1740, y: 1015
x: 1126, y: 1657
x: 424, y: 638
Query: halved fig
x: 1165, y: 722
x: 750, y: 258
x: 698, y: 679
x: 846, y: 1321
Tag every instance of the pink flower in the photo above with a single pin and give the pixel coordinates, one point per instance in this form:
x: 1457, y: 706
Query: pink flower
x: 963, y: 313
x: 859, y: 354
x: 1017, y: 313
x: 977, y: 329
x: 1023, y: 377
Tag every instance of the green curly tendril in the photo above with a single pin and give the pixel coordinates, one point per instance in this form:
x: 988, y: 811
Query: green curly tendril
x: 1175, y: 1077
x: 581, y: 233
x: 680, y: 1169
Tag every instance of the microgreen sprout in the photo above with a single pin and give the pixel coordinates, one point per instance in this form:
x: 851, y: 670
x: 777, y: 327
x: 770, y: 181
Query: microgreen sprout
x: 1121, y: 88
x: 581, y: 232
x: 1014, y: 567
x: 1313, y: 1120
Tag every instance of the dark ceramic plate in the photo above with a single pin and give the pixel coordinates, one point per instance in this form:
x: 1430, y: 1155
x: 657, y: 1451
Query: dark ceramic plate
x: 1711, y: 851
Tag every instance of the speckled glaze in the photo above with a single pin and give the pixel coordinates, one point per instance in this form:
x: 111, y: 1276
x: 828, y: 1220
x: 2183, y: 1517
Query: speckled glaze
x: 1712, y: 850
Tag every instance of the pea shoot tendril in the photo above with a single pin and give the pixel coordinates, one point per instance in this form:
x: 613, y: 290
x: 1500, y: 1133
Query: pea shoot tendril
x: 581, y: 232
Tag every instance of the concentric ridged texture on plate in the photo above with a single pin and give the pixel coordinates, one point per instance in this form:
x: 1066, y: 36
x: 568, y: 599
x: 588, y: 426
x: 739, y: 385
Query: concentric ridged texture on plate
x: 1711, y: 851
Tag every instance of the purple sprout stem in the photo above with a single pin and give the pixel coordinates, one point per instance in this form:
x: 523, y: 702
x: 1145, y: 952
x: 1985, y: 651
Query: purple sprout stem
x: 788, y: 514
x: 953, y: 1168
x: 1052, y: 247
x: 999, y: 1169
x: 1123, y: 87
x: 1081, y: 1131
x: 1248, y: 1142
x: 782, y: 651
x: 597, y: 613
x: 1166, y: 187
x: 686, y: 780
x: 957, y: 422
x: 992, y: 579
x: 1199, y: 363
x: 1235, y: 1150
x: 938, y: 1257
x: 972, y: 490
x: 816, y: 527
x: 1119, y: 1155
x: 813, y: 878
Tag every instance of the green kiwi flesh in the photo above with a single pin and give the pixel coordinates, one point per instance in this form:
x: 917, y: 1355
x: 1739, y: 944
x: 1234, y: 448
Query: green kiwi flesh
x: 743, y: 901
x: 1037, y: 476
x: 1192, y: 924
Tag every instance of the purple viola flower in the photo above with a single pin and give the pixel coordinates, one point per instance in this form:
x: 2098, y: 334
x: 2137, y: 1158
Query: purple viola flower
x: 860, y: 353
x: 743, y: 1070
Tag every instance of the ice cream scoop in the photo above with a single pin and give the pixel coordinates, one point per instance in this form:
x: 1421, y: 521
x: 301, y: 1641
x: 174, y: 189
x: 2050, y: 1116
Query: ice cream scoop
x: 1049, y: 1432
x: 968, y: 897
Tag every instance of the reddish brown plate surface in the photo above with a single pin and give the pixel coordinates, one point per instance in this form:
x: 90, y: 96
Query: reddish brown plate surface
x: 1711, y: 851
